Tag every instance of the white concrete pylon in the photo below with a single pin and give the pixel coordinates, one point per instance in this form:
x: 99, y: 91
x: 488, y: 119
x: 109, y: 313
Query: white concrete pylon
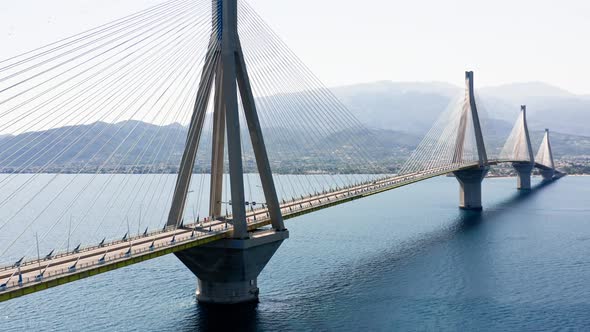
x: 225, y: 71
x: 470, y: 113
x: 545, y: 155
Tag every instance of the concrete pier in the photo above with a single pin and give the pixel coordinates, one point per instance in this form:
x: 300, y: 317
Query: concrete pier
x: 470, y: 187
x: 547, y: 174
x: 523, y: 175
x: 227, y: 270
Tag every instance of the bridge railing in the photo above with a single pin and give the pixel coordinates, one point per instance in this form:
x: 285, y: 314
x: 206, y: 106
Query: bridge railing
x: 109, y: 259
x: 61, y: 254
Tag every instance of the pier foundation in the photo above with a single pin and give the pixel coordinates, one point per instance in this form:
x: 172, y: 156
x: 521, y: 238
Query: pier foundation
x: 547, y: 174
x: 523, y: 175
x: 470, y: 187
x: 228, y: 269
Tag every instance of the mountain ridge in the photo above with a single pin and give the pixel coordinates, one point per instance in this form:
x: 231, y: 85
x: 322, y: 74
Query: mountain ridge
x: 396, y: 116
x: 414, y: 106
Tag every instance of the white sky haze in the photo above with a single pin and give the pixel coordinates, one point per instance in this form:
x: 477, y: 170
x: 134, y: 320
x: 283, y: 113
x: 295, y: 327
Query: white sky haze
x: 347, y: 42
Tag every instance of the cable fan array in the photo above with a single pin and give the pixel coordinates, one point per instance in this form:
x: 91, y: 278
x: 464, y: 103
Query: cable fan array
x: 517, y: 146
x: 101, y: 88
x: 449, y: 144
x: 84, y: 115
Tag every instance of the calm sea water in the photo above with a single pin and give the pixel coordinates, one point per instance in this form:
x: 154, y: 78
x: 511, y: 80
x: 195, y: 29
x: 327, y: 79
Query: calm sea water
x: 407, y: 259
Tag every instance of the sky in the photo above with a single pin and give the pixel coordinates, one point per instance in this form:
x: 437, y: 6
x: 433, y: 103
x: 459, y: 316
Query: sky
x: 348, y: 42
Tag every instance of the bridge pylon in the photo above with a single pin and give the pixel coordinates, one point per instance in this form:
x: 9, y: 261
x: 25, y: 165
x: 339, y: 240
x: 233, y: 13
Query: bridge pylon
x: 544, y: 158
x: 470, y: 179
x: 227, y: 270
x: 518, y: 148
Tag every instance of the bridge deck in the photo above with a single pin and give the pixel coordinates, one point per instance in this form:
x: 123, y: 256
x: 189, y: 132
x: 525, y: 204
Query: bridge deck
x: 67, y: 267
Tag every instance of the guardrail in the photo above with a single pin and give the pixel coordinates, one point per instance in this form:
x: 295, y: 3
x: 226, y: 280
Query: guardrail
x: 81, y: 267
x: 26, y: 263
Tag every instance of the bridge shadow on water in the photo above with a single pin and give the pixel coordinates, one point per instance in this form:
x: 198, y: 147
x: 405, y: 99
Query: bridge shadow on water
x: 210, y: 317
x: 467, y: 221
x: 332, y: 285
x: 471, y: 219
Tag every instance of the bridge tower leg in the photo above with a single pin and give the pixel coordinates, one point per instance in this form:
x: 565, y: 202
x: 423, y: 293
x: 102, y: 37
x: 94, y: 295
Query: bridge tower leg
x: 227, y: 269
x: 470, y: 179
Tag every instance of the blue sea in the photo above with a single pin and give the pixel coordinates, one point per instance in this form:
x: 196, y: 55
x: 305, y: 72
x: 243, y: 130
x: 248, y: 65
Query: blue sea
x: 407, y: 259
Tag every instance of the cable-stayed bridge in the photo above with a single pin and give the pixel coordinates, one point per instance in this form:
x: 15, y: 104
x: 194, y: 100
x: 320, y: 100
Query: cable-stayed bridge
x: 218, y: 67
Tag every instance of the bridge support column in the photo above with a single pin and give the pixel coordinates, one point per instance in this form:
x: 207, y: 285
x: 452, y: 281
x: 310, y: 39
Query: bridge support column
x: 547, y: 174
x: 470, y: 187
x: 523, y: 175
x: 227, y: 270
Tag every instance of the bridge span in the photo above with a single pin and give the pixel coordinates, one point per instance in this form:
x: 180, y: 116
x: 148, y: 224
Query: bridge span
x: 35, y: 275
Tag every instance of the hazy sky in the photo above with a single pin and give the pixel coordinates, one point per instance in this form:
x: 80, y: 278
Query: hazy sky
x: 346, y: 41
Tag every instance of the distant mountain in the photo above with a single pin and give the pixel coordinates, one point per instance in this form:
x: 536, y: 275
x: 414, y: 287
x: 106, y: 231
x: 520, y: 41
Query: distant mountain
x: 527, y: 91
x: 547, y: 106
x: 395, y: 115
x: 139, y: 147
x: 134, y: 146
x: 409, y: 107
x: 89, y: 147
x: 413, y: 107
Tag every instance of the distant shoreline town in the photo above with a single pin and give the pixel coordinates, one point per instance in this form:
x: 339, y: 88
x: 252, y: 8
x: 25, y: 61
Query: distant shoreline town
x: 569, y: 165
